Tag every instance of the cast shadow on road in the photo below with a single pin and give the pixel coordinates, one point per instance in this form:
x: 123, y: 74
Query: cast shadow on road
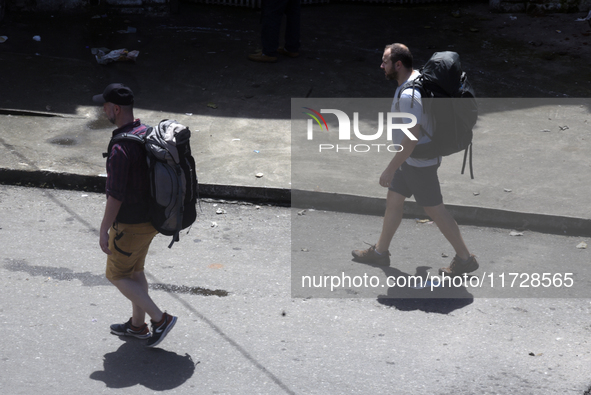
x: 442, y: 300
x: 134, y: 363
x: 91, y: 280
x: 55, y: 273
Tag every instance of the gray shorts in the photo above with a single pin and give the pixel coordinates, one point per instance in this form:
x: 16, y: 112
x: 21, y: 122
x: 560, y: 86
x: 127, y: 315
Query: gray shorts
x: 422, y: 182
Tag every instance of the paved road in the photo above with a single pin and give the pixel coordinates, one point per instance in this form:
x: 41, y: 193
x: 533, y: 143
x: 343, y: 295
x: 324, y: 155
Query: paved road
x: 55, y: 309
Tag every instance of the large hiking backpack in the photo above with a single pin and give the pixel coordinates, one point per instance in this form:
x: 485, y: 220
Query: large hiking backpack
x: 173, y: 179
x: 448, y: 98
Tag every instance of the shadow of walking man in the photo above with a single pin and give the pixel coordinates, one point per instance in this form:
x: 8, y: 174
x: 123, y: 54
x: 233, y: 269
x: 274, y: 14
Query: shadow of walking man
x: 133, y: 363
x: 421, y: 291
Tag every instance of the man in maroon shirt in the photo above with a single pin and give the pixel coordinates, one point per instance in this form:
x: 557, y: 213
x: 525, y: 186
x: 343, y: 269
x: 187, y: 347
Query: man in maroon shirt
x: 126, y: 231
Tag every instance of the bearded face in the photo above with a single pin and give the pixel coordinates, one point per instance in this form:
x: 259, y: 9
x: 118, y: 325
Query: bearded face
x: 389, y: 68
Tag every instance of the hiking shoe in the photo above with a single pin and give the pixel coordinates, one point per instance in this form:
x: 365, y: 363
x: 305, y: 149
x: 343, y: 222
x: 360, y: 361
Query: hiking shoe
x: 371, y: 256
x: 161, y: 329
x: 262, y: 58
x: 127, y: 329
x: 459, y: 266
x: 285, y: 52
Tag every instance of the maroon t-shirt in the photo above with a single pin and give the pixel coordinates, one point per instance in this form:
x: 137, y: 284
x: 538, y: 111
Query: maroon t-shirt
x: 127, y: 176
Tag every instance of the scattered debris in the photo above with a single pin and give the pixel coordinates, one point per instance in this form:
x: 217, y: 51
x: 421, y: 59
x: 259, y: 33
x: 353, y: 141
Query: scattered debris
x: 545, y: 130
x: 476, y: 193
x: 212, y: 105
x: 508, y: 190
x: 587, y: 18
x: 3, y: 39
x: 259, y: 175
x: 220, y: 211
x: 105, y: 55
x: 37, y: 38
x: 444, y: 255
x: 304, y: 249
x: 302, y: 212
x: 256, y: 151
x: 214, y: 224
x: 421, y: 221
x: 565, y: 127
x: 515, y: 233
x: 582, y: 245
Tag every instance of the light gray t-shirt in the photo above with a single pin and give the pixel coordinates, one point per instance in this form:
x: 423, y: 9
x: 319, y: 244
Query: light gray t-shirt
x: 424, y: 120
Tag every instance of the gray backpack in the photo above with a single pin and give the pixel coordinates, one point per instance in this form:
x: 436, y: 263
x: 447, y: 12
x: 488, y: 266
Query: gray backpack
x: 173, y: 179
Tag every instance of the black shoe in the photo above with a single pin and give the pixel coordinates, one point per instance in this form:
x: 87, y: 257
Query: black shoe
x: 159, y: 332
x: 126, y: 330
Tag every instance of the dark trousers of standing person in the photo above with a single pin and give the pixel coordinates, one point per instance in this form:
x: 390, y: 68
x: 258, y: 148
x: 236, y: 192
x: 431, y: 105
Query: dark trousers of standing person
x: 272, y: 16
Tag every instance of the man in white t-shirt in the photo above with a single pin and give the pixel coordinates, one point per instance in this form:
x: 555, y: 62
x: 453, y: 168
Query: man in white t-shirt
x: 405, y: 176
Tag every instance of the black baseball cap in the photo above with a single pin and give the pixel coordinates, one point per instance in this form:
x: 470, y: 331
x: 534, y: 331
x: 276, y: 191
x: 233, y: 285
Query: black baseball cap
x: 115, y: 93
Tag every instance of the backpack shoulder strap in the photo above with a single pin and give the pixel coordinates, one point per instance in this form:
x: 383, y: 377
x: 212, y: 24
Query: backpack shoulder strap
x: 410, y: 84
x: 405, y: 86
x: 415, y: 87
x: 120, y: 137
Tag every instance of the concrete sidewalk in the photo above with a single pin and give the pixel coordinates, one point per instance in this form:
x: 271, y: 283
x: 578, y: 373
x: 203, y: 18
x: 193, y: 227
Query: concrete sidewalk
x: 530, y: 157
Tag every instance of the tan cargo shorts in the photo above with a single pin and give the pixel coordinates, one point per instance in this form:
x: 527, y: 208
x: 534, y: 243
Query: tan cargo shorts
x: 129, y: 245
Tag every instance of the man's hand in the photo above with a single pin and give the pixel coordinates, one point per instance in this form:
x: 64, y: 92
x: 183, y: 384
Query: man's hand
x: 104, y: 243
x: 409, y: 145
x: 386, y: 177
x: 111, y: 210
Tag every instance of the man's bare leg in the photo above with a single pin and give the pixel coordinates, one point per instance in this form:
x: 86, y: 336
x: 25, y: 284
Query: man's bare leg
x: 392, y: 220
x: 378, y: 254
x: 449, y: 228
x: 135, y: 288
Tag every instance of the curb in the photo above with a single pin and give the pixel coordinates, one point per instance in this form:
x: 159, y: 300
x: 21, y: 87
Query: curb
x: 89, y: 183
x: 464, y: 215
x: 353, y: 204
